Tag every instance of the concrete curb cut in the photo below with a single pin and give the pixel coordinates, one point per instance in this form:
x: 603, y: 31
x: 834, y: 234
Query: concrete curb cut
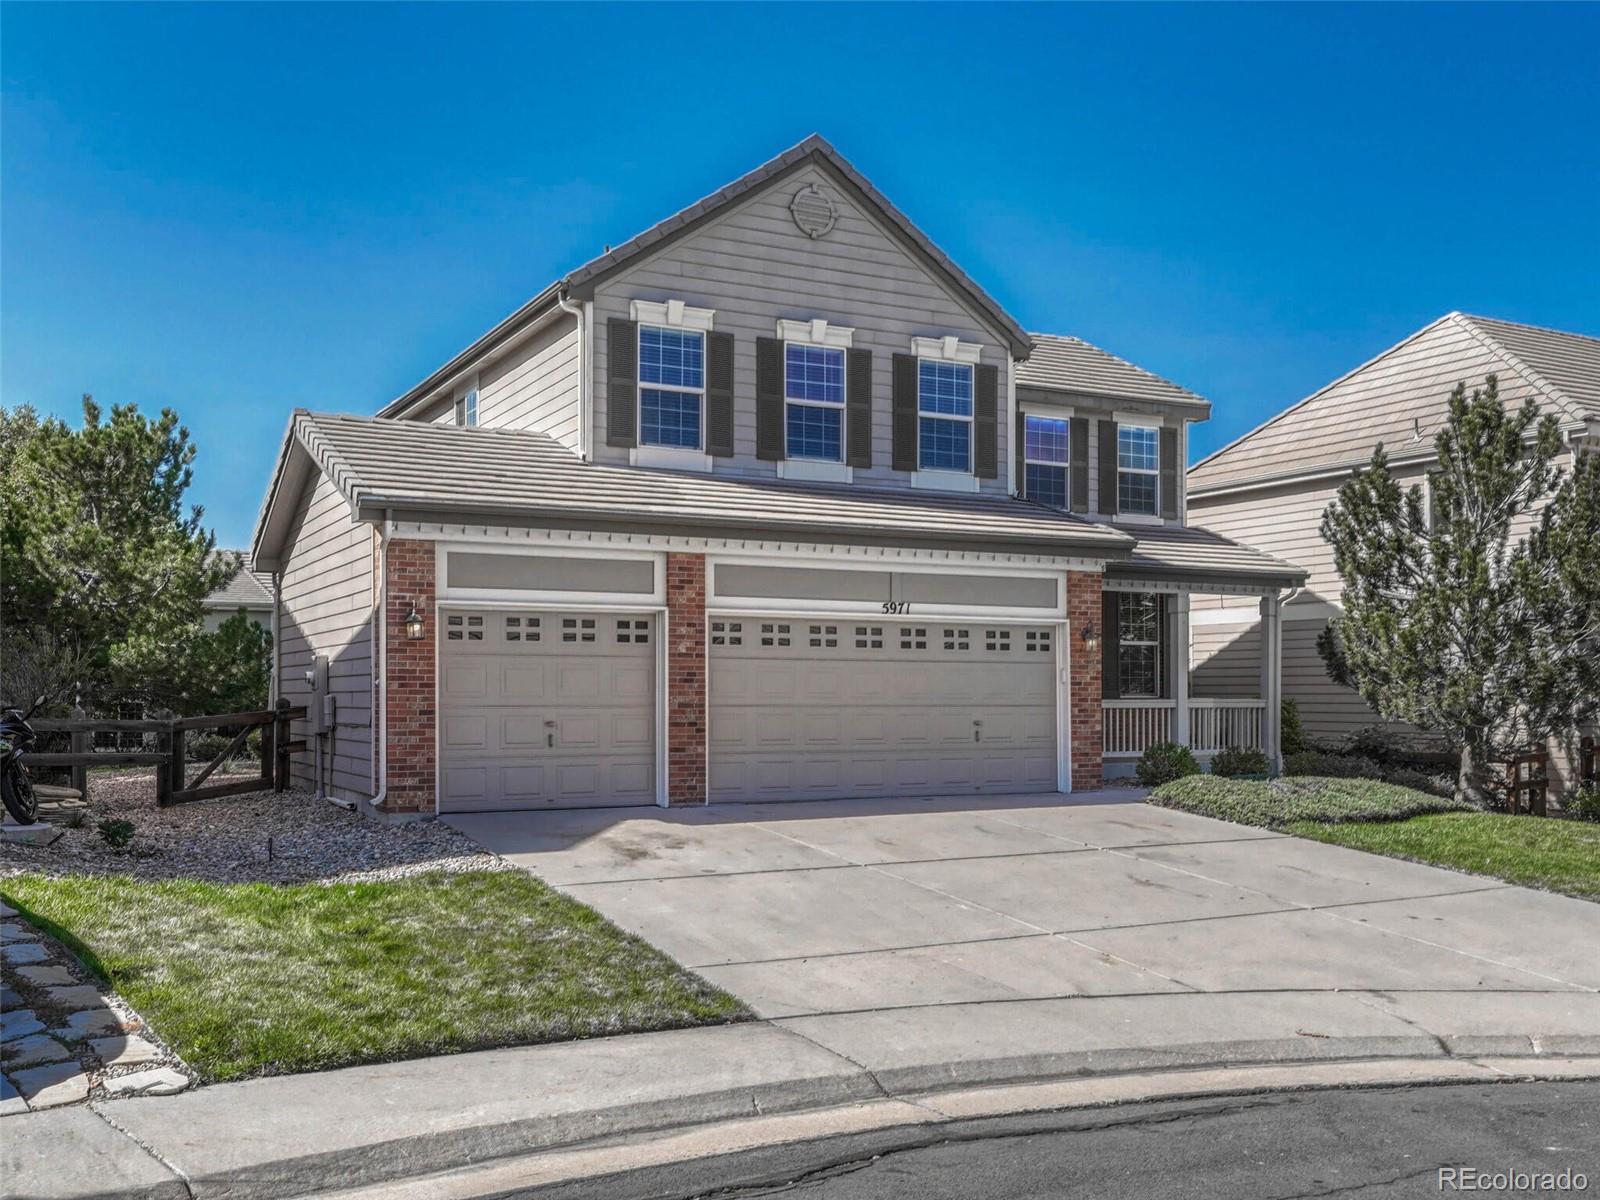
x: 137, y: 1150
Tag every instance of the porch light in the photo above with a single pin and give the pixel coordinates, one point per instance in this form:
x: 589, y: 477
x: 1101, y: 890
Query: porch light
x: 1091, y: 639
x: 413, y: 623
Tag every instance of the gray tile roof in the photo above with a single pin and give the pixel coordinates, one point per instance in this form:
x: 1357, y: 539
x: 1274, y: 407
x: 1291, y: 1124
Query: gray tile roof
x: 1401, y: 398
x: 247, y: 589
x: 1192, y: 553
x: 420, y: 467
x: 1072, y: 365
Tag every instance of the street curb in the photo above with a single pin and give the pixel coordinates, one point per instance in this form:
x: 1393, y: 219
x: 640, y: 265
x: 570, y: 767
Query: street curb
x: 409, y: 1154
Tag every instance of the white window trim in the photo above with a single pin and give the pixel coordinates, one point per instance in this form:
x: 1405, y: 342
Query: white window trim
x: 672, y: 314
x: 464, y: 409
x: 817, y: 332
x: 937, y: 473
x: 841, y: 408
x: 1125, y: 641
x: 947, y: 349
x: 676, y: 452
x: 1066, y: 467
x: 1154, y: 516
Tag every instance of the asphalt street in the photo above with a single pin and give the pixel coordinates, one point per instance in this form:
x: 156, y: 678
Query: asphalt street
x: 1389, y: 1142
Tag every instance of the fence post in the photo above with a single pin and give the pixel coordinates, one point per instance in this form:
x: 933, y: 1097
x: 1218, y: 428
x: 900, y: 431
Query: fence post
x: 269, y: 750
x: 171, y: 779
x: 280, y: 724
x: 82, y: 742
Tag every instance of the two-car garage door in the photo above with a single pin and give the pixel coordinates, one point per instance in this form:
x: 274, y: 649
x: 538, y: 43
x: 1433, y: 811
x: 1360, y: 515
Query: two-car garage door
x: 822, y: 709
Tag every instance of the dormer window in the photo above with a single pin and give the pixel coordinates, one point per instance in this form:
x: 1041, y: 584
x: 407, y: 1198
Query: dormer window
x: 1045, y: 446
x: 672, y: 386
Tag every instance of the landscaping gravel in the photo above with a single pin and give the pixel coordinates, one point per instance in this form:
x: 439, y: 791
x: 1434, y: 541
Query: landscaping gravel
x: 266, y: 837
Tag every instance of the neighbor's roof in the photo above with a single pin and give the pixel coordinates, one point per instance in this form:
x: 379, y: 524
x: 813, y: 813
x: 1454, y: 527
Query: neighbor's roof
x: 814, y: 149
x: 1401, y: 398
x: 1071, y: 364
x: 247, y: 588
x: 1190, y: 553
x: 450, y: 472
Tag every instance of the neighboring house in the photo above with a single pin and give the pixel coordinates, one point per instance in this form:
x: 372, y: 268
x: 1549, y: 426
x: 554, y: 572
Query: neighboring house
x: 249, y: 591
x: 772, y: 502
x: 1271, y: 486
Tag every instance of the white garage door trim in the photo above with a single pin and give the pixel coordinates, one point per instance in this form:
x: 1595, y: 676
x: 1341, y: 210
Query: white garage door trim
x: 1063, y: 662
x: 659, y: 612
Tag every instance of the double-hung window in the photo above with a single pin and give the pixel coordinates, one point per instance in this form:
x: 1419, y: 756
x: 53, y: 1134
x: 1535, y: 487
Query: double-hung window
x: 1138, y: 645
x: 813, y: 397
x: 1138, y: 469
x: 672, y: 386
x: 1044, y: 455
x: 467, y: 408
x: 944, y: 416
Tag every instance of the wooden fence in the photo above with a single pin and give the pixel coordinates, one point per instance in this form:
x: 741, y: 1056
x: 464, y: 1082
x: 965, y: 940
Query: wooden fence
x: 168, y: 754
x: 1528, y: 782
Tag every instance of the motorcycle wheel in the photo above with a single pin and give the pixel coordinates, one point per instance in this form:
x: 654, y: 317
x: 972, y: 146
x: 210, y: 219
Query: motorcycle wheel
x: 16, y: 790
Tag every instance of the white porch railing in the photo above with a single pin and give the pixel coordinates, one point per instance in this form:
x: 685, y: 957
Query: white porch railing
x: 1132, y: 725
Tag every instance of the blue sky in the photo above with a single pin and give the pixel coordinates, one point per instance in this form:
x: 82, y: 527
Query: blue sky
x: 236, y: 210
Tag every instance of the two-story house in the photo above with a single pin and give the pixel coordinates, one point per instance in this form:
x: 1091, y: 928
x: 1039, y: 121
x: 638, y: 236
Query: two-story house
x: 771, y: 502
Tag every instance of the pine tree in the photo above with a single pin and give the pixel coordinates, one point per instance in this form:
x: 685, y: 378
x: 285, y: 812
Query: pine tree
x: 1477, y: 616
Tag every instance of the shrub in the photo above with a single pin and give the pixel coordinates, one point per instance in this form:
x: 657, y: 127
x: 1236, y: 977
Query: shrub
x: 1332, y: 765
x: 1239, y: 760
x: 1292, y: 736
x: 203, y: 747
x: 1285, y: 801
x: 116, y: 833
x: 1585, y: 805
x: 1163, y: 762
x: 1379, y: 743
x: 1423, y: 781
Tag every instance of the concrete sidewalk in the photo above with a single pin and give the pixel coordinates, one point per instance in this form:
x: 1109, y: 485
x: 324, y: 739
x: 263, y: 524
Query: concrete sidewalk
x: 310, y: 1134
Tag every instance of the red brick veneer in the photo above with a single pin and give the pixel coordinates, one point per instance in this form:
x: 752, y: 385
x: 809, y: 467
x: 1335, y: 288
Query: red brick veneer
x: 1083, y: 610
x: 410, y: 711
x: 686, y: 678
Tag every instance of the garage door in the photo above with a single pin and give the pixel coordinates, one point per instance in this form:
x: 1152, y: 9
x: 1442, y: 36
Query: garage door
x: 807, y: 710
x: 546, y: 710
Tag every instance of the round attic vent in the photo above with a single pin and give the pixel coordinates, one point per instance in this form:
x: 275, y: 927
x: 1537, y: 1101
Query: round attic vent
x: 813, y: 212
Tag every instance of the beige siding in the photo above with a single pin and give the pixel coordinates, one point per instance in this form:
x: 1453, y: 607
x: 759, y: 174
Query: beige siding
x: 1225, y: 661
x: 535, y: 386
x: 1095, y: 409
x: 753, y: 266
x: 327, y: 592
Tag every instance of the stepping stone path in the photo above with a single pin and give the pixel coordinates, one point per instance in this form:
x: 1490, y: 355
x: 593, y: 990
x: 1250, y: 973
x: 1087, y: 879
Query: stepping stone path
x: 93, y: 1050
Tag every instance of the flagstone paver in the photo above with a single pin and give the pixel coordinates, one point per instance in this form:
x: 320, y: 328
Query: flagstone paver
x: 32, y: 1050
x: 46, y: 976
x: 96, y: 1020
x: 52, y: 1085
x: 83, y: 995
x: 162, y: 1081
x: 16, y: 931
x: 9, y: 999
x: 11, y: 1101
x: 19, y: 1023
x: 127, y: 1051
x: 22, y: 952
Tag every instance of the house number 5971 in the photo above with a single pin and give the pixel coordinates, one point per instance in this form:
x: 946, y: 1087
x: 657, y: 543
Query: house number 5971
x: 897, y: 607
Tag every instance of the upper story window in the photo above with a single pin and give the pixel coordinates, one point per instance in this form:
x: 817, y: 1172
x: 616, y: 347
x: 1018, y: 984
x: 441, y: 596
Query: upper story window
x: 1138, y: 469
x: 944, y: 416
x: 467, y: 408
x: 813, y: 396
x: 672, y: 386
x: 1138, y: 644
x: 1044, y: 455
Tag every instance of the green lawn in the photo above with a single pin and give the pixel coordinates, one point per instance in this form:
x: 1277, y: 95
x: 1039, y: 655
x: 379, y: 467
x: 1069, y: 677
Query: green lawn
x: 249, y: 979
x: 1559, y: 856
x: 1384, y: 818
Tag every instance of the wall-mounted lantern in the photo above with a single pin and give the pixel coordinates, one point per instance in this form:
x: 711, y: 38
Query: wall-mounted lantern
x: 1091, y: 639
x: 413, y: 623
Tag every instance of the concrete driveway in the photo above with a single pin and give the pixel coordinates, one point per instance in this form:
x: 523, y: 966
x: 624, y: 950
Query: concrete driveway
x: 884, y: 929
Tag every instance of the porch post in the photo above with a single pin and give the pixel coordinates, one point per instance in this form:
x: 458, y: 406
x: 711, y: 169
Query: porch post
x: 1272, y: 680
x: 1182, y: 658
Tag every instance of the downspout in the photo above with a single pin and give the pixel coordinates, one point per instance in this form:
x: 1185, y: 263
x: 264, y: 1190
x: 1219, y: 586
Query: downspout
x: 380, y: 664
x: 585, y: 379
x: 277, y: 639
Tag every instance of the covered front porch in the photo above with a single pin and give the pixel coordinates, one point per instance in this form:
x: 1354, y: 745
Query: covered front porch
x: 1156, y: 684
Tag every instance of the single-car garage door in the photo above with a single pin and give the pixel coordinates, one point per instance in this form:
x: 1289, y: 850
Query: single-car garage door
x: 546, y: 710
x: 808, y: 710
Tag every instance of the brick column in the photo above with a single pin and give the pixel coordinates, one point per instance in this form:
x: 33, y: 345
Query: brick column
x: 410, y: 725
x: 1083, y: 610
x: 686, y: 678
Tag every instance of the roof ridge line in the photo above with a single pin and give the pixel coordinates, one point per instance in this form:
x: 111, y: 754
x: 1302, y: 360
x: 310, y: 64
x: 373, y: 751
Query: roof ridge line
x: 1540, y: 384
x: 1131, y: 365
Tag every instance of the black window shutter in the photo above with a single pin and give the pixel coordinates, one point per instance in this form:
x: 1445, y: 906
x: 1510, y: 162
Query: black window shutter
x: 769, y: 399
x: 858, y: 408
x: 1108, y: 467
x: 986, y: 422
x: 1021, y: 437
x: 904, y: 405
x: 1110, y: 679
x: 622, y: 382
x: 1078, y: 453
x: 1169, y: 474
x: 719, y: 394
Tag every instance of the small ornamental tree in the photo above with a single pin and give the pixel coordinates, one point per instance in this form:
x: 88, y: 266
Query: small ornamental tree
x: 1477, y: 617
